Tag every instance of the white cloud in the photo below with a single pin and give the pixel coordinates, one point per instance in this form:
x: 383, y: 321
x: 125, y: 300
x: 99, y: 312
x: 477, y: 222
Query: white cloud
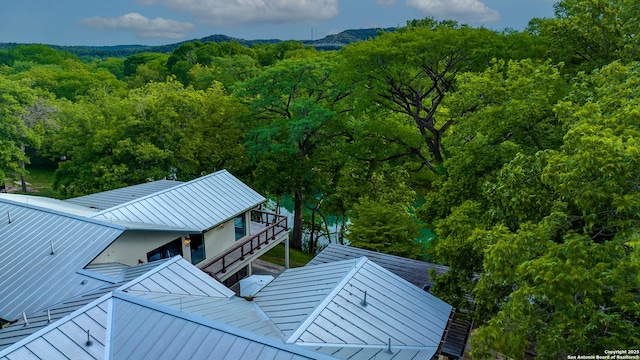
x: 236, y: 12
x: 465, y: 11
x: 142, y: 26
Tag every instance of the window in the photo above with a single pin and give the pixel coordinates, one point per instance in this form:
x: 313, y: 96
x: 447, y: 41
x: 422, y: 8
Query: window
x: 166, y: 251
x: 240, y: 224
x: 197, y: 248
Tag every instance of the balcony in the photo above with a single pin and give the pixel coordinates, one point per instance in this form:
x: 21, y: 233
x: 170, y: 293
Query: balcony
x: 266, y: 230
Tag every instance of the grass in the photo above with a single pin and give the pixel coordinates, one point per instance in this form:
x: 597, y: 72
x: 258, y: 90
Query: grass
x: 40, y: 180
x: 297, y: 258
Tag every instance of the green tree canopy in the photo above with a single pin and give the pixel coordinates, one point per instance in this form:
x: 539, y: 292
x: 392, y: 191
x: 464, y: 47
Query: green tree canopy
x: 568, y: 283
x: 297, y: 106
x: 412, y: 70
x: 162, y: 130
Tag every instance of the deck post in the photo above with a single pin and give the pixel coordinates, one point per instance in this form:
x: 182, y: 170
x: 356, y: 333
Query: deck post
x: 286, y: 252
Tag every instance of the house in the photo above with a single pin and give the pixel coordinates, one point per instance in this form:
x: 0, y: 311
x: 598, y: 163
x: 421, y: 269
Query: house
x: 214, y: 222
x: 121, y: 280
x: 352, y: 309
x: 355, y: 309
x: 413, y: 271
x: 171, y: 310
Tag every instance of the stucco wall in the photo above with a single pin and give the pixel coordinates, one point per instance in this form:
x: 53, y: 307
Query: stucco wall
x: 133, y: 246
x: 219, y: 239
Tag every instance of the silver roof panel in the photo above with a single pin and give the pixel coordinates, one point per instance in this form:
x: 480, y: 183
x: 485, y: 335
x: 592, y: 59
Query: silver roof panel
x: 123, y: 326
x: 32, y: 277
x: 108, y: 199
x: 414, y: 271
x: 413, y: 319
x: 201, y: 204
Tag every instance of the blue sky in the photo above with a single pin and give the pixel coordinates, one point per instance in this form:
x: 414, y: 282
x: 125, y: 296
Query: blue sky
x: 156, y: 22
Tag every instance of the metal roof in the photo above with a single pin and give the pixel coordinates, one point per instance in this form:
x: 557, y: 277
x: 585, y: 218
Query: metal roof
x: 32, y: 277
x: 394, y: 310
x: 49, y: 203
x: 41, y: 319
x: 178, y: 277
x: 414, y: 271
x: 122, y: 326
x: 201, y: 204
x: 235, y: 311
x: 171, y: 282
x: 291, y: 297
x: 111, y: 198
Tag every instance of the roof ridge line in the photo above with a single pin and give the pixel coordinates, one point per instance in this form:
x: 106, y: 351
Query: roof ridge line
x: 103, y: 211
x: 89, y: 219
x: 55, y: 324
x: 368, y: 346
x: 219, y: 325
x: 149, y: 273
x: 359, y: 263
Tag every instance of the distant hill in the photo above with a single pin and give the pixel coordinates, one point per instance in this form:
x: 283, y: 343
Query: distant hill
x: 331, y: 42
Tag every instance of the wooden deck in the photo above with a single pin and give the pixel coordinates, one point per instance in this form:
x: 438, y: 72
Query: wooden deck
x: 266, y: 231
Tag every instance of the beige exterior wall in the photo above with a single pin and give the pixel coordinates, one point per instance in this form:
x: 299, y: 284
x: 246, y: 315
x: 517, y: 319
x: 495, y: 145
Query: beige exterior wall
x: 222, y: 237
x: 133, y: 246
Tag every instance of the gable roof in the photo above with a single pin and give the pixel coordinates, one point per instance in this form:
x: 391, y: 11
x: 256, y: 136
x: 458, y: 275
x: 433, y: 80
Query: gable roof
x: 323, y: 307
x: 41, y: 319
x: 32, y: 277
x: 178, y: 277
x: 171, y: 282
x: 414, y: 271
x: 200, y: 204
x: 122, y: 326
x: 111, y: 198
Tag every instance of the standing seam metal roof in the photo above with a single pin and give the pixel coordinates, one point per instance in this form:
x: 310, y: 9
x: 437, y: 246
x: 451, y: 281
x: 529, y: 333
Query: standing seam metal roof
x: 108, y: 199
x: 122, y: 326
x: 411, y: 318
x: 414, y: 271
x: 40, y: 319
x: 202, y: 203
x: 32, y: 277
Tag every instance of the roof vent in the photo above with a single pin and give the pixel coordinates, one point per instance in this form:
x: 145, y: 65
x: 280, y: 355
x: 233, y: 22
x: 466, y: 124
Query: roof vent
x: 51, y: 244
x: 24, y: 316
x: 9, y: 216
x: 364, y: 301
x: 389, y: 347
x: 48, y: 315
x: 89, y: 342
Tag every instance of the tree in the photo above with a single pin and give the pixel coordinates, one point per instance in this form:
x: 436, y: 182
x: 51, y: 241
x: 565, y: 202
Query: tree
x: 16, y: 97
x: 298, y: 107
x: 162, y: 130
x: 412, y: 70
x: 587, y: 34
x: 383, y: 219
x: 37, y: 117
x: 565, y: 281
x: 511, y: 121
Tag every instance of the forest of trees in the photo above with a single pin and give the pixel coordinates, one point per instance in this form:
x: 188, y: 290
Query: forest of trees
x: 520, y: 150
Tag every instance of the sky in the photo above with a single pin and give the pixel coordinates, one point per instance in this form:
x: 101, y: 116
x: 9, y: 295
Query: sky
x: 159, y: 22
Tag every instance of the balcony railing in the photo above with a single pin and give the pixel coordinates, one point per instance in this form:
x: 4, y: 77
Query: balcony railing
x: 274, y: 226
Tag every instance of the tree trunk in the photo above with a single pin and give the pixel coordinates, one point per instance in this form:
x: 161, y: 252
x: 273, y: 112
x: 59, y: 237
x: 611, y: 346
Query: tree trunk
x: 312, y: 237
x: 22, y: 181
x: 296, y: 241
